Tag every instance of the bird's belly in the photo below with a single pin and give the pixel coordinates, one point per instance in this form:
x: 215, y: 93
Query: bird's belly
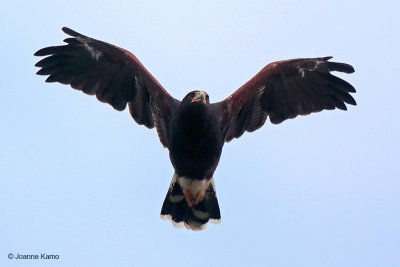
x: 196, y: 154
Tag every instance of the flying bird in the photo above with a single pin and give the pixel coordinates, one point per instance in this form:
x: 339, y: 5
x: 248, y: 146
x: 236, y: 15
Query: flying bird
x: 194, y: 130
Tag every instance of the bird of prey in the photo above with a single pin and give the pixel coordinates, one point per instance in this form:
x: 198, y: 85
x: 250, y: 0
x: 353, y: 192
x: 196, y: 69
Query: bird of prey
x: 194, y: 130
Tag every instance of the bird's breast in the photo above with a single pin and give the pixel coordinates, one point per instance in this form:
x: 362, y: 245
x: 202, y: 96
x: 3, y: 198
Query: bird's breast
x: 195, y: 144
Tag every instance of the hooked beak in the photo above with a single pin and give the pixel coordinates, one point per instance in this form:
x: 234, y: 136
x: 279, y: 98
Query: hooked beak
x: 200, y: 97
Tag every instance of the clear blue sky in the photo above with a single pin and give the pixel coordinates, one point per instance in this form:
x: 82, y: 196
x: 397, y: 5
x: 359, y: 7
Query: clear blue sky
x: 83, y: 181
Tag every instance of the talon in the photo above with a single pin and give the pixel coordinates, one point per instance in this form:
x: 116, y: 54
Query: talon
x: 188, y: 196
x: 199, y: 196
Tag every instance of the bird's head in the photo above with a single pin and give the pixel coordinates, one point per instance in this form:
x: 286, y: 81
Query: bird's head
x: 197, y: 97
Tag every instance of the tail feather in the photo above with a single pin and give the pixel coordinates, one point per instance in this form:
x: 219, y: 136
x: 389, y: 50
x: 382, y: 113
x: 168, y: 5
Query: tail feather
x: 176, y: 209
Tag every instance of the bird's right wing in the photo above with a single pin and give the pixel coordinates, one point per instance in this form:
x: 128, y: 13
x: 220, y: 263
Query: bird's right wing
x: 111, y: 73
x: 282, y: 90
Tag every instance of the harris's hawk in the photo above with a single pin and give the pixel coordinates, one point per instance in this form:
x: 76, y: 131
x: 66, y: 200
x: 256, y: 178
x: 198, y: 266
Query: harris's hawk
x: 195, y: 130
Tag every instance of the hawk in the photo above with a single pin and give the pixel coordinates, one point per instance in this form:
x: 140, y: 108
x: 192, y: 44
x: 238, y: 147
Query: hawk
x: 194, y: 130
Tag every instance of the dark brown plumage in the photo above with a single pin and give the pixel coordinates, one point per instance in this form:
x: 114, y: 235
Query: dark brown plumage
x: 111, y: 73
x: 195, y: 130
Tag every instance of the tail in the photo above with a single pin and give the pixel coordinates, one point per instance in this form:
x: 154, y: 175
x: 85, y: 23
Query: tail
x: 176, y: 209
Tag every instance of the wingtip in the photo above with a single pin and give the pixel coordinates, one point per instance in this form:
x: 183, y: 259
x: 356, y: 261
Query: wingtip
x: 341, y: 67
x: 346, y: 68
x: 41, y: 52
x: 70, y: 31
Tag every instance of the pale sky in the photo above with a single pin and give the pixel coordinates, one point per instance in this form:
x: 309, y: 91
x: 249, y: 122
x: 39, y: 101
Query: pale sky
x: 85, y: 182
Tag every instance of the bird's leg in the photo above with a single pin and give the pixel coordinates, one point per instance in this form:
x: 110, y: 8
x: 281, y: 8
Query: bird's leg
x: 199, y: 196
x: 188, y: 196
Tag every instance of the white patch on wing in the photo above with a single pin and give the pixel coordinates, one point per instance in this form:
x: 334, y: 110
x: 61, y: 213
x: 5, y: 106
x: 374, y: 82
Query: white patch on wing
x: 316, y: 66
x: 93, y: 52
x: 301, y: 72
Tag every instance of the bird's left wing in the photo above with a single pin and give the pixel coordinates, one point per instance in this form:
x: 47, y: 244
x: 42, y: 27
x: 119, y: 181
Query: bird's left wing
x: 282, y: 90
x: 111, y: 73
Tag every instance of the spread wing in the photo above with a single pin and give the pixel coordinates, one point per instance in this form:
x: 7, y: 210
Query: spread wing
x: 282, y: 90
x: 111, y: 73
